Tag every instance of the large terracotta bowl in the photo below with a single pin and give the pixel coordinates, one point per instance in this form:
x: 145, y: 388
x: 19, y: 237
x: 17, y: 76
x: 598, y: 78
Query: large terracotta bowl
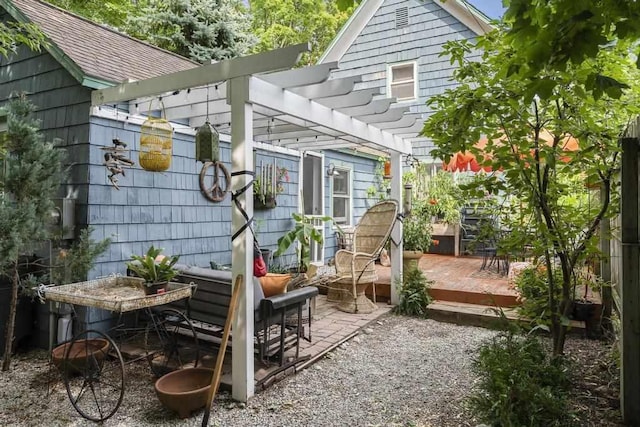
x: 185, y: 390
x: 84, y: 353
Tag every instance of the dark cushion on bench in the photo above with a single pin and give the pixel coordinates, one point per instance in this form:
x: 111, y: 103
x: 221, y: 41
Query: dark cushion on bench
x: 297, y: 296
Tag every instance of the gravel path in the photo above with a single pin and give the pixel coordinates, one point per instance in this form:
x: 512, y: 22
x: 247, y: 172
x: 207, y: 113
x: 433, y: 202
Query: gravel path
x: 400, y: 372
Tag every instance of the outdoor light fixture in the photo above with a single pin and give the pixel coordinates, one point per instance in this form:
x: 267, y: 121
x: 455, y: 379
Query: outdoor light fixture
x: 408, y: 195
x: 331, y: 170
x: 207, y: 140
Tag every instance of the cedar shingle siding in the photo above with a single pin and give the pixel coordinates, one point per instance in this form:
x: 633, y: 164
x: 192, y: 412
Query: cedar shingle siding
x: 383, y: 42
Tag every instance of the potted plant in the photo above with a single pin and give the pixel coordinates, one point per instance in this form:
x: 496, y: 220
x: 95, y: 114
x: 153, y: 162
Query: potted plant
x: 268, y: 185
x: 584, y: 309
x: 156, y: 271
x: 416, y: 236
x: 303, y: 232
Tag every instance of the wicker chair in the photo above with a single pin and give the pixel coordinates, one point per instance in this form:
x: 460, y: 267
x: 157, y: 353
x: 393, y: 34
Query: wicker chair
x: 355, y: 268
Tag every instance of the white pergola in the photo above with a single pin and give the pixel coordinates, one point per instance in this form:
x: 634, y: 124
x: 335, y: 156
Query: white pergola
x: 261, y: 98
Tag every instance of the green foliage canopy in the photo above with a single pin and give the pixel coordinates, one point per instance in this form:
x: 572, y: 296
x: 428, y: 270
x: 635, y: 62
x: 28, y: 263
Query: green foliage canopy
x: 558, y: 34
x: 13, y: 34
x: 113, y: 13
x: 202, y: 30
x: 280, y: 23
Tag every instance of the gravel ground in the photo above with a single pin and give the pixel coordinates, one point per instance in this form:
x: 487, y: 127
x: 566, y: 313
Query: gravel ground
x: 402, y: 371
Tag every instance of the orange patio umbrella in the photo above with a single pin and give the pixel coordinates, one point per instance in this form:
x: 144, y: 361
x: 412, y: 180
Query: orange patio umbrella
x: 466, y: 161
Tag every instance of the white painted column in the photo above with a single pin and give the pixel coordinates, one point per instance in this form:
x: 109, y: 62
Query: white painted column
x: 396, y: 234
x: 242, y: 246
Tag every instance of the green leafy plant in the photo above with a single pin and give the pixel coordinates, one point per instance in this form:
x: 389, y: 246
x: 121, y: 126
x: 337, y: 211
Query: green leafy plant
x: 303, y: 232
x: 445, y: 198
x: 73, y: 265
x: 152, y: 271
x: 381, y: 186
x: 416, y: 230
x: 414, y: 294
x: 533, y: 287
x: 519, y: 385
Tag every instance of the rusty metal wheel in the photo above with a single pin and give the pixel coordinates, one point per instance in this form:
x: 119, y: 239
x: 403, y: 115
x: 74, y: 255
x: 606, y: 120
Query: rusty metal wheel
x: 93, y: 374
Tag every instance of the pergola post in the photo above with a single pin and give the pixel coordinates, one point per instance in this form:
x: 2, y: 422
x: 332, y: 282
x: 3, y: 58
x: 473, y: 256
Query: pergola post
x: 242, y: 245
x: 396, y: 234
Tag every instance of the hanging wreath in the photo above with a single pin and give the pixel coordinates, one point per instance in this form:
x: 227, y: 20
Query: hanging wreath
x: 217, y: 191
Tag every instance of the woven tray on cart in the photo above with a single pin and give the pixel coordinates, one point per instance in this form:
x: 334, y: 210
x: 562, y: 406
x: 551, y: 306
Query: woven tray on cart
x: 116, y: 293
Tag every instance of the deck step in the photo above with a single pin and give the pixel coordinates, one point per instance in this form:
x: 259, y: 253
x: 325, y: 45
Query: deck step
x: 480, y: 315
x: 473, y: 297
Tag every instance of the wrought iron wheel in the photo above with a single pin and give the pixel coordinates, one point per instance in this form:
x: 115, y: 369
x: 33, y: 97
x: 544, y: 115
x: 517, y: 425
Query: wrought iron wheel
x: 171, y: 342
x: 93, y: 374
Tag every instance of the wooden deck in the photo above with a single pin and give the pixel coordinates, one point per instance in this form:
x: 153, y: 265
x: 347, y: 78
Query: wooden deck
x: 460, y: 279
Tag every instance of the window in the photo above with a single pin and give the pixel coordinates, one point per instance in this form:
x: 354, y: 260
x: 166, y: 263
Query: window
x: 401, y: 80
x: 341, y: 196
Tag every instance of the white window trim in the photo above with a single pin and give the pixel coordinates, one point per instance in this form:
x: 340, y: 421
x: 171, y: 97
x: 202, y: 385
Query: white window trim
x: 415, y: 79
x: 349, y: 169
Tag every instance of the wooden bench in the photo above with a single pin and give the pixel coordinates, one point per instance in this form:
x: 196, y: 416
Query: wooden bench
x: 278, y: 323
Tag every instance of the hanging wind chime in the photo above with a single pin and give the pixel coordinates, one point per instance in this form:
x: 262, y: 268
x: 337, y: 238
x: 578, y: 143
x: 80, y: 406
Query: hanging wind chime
x: 208, y: 152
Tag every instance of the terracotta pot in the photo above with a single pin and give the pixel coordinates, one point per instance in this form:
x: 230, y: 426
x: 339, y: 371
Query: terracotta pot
x: 185, y: 390
x: 82, y: 355
x: 153, y: 288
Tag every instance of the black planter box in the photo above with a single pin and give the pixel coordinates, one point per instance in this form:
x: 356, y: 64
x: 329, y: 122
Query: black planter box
x: 446, y: 245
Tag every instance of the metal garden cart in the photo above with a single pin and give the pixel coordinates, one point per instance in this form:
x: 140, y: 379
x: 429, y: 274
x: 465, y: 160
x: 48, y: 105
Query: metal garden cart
x: 92, y: 364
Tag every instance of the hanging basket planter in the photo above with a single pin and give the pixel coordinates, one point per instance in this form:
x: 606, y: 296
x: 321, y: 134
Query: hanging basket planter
x: 156, y: 144
x: 266, y: 202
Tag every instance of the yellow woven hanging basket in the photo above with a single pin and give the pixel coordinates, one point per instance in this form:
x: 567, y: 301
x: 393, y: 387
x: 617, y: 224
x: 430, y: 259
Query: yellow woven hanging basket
x: 156, y: 144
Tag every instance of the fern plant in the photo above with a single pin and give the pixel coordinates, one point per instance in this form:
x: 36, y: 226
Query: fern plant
x: 414, y: 294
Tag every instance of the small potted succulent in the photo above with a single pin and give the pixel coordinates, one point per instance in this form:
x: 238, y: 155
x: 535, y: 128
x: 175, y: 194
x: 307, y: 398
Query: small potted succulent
x: 156, y: 270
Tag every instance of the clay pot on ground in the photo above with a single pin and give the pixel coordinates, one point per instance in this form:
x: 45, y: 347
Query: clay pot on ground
x: 185, y: 390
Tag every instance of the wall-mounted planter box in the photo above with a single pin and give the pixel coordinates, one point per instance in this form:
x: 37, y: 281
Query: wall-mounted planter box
x: 269, y: 202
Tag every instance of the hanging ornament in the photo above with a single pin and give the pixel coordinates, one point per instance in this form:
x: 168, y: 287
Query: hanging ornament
x: 207, y: 143
x: 156, y: 143
x: 207, y: 140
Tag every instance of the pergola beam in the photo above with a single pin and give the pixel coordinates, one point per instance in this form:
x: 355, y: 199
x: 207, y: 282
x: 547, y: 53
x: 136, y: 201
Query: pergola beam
x: 280, y: 59
x: 267, y: 94
x: 301, y: 76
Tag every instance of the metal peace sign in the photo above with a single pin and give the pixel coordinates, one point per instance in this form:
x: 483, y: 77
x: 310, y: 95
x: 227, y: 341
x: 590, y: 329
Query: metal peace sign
x: 218, y: 190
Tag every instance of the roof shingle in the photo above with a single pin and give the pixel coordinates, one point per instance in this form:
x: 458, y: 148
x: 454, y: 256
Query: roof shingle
x: 100, y: 52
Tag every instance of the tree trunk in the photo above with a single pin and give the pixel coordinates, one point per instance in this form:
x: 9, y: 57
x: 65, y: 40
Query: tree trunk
x: 8, y: 338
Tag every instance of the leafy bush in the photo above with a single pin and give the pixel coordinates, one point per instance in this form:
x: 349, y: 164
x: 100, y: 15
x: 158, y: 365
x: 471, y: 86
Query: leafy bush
x: 533, y: 286
x: 414, y: 294
x: 73, y: 265
x: 519, y: 385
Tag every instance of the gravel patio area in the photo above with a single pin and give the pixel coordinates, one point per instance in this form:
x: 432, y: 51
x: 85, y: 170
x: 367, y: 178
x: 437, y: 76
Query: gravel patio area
x: 399, y: 371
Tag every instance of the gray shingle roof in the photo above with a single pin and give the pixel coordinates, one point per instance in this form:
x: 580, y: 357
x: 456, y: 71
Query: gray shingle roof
x: 100, y: 52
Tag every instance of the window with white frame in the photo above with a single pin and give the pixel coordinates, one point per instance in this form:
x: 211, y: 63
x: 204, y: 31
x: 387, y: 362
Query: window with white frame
x: 401, y: 81
x: 341, y: 196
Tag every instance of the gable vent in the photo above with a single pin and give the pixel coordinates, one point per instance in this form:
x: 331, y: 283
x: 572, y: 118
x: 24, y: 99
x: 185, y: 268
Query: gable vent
x: 402, y: 17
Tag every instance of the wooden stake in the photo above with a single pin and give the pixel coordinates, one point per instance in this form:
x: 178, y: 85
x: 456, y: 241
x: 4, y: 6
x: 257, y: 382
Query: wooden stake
x: 217, y: 372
